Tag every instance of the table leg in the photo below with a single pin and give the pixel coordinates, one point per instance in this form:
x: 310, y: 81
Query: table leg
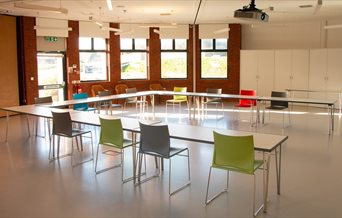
x: 7, y: 125
x: 152, y: 105
x: 134, y: 157
x: 267, y: 168
x: 278, y: 168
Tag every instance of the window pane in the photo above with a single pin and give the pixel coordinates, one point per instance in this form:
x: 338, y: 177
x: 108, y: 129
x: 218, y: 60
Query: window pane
x: 84, y: 43
x: 166, y: 44
x: 93, y: 66
x: 99, y: 44
x: 140, y: 44
x: 214, y: 65
x: 126, y: 44
x: 133, y: 65
x: 206, y: 44
x: 173, y: 65
x: 221, y: 43
x: 180, y: 44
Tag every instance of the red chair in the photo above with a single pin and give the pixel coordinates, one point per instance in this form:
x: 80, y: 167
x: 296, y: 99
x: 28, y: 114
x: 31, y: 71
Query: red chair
x: 247, y: 103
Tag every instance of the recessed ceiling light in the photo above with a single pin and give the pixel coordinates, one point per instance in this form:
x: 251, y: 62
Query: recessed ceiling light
x: 120, y: 6
x: 165, y: 14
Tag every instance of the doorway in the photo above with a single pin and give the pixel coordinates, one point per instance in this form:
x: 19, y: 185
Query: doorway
x: 51, y: 75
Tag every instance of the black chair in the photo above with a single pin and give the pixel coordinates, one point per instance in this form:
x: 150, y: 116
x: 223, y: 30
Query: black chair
x: 279, y: 105
x: 62, y: 126
x: 106, y: 105
x: 43, y: 100
x: 212, y: 100
x: 155, y: 141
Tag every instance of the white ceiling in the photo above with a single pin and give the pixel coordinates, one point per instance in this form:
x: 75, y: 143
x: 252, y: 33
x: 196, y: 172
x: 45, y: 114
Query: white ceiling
x: 180, y: 11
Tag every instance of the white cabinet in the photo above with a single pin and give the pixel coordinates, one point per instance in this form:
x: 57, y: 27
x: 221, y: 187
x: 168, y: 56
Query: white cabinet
x: 318, y: 73
x: 257, y: 71
x: 291, y: 70
x: 325, y: 72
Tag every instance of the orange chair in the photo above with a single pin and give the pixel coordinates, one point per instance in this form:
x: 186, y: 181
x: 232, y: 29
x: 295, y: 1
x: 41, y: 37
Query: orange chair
x: 157, y: 87
x: 121, y: 88
x: 247, y: 103
x: 95, y: 89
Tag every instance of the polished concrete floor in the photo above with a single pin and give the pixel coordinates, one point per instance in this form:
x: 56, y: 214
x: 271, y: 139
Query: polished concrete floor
x: 311, y: 182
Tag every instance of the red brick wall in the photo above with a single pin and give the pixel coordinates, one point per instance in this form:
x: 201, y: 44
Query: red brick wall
x: 230, y: 85
x: 30, y: 58
x: 72, y: 56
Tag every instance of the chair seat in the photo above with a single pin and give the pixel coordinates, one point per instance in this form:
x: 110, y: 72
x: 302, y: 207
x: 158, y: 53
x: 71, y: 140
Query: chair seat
x: 257, y: 164
x: 213, y: 101
x: 242, y: 105
x: 75, y: 132
x: 276, y: 107
x: 85, y: 109
x: 173, y: 151
x: 176, y: 100
x: 126, y: 143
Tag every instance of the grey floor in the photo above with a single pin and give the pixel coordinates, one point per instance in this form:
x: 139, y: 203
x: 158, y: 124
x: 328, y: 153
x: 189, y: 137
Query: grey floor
x: 311, y: 183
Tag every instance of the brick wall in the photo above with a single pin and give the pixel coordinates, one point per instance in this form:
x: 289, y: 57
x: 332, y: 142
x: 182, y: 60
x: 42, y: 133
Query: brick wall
x: 29, y: 58
x: 230, y: 85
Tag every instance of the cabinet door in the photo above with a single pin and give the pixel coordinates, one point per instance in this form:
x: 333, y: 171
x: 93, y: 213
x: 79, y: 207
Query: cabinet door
x: 265, y: 76
x: 317, y: 75
x: 334, y: 72
x: 300, y: 72
x: 282, y: 69
x: 248, y: 70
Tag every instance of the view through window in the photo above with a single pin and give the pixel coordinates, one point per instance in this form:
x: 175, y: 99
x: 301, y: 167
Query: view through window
x: 214, y: 58
x: 173, y: 58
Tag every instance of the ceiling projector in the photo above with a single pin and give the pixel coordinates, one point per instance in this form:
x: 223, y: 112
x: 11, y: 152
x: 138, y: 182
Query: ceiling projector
x: 250, y: 12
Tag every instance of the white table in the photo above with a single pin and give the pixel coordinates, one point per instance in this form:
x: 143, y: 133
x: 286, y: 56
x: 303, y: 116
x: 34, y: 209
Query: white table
x: 329, y: 103
x: 266, y: 143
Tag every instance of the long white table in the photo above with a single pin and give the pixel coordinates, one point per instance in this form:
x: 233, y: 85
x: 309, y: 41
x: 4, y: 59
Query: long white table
x: 266, y: 143
x: 329, y: 103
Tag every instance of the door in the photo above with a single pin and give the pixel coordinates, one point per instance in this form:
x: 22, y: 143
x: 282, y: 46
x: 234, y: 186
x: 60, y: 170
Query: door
x: 51, y: 75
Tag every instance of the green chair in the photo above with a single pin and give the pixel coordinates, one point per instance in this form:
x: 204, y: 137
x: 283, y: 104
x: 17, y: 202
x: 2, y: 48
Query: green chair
x: 177, y: 99
x: 234, y: 153
x: 111, y: 135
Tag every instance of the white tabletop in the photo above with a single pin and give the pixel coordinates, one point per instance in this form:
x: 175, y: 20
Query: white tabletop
x: 263, y: 142
x: 299, y: 100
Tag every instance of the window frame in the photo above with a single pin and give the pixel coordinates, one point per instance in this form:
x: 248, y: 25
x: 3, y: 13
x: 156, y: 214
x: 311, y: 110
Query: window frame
x: 92, y: 50
x: 133, y: 50
x: 174, y: 50
x: 213, y: 50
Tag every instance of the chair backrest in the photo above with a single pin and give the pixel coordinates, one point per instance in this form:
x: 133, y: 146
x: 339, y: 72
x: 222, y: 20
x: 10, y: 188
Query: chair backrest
x: 247, y: 102
x: 104, y: 93
x: 155, y: 139
x: 213, y: 91
x: 131, y: 91
x: 234, y: 152
x: 42, y: 100
x: 111, y: 132
x: 279, y: 103
x: 62, y: 124
x: 179, y: 97
x: 82, y: 106
x: 121, y: 88
x: 156, y: 86
x: 95, y: 89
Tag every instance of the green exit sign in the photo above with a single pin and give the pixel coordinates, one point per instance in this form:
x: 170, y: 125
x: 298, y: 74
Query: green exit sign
x: 50, y: 38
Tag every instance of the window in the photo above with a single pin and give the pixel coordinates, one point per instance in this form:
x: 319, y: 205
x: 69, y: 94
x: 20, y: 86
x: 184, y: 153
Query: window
x: 93, y: 59
x: 214, y: 58
x: 133, y: 58
x: 173, y: 58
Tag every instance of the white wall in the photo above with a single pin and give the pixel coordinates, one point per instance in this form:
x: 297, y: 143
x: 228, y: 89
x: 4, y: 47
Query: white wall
x: 306, y: 35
